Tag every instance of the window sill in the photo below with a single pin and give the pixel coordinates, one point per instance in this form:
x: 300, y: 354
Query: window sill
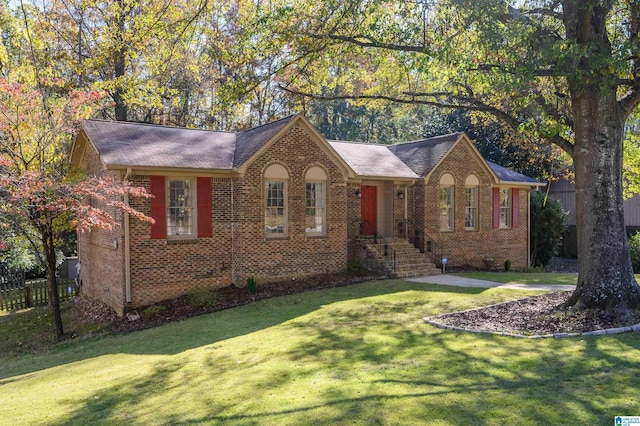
x: 276, y: 237
x: 447, y: 231
x: 316, y: 237
x: 470, y: 229
x: 174, y: 241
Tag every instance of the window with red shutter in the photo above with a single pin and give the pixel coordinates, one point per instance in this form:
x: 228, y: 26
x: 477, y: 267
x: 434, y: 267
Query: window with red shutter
x: 515, y: 196
x: 205, y: 228
x: 158, y: 189
x: 496, y: 207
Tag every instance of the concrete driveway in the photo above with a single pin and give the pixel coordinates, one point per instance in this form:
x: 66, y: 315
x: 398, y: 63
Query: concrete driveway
x: 456, y: 281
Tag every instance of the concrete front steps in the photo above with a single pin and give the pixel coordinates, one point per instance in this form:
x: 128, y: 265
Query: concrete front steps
x: 409, y: 262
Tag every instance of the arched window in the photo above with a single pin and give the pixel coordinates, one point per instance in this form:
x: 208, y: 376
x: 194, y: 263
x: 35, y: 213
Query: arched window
x: 471, y: 185
x: 447, y: 183
x: 315, y: 201
x: 276, y: 180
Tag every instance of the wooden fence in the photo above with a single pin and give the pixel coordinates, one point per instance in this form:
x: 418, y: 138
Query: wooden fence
x: 27, y: 294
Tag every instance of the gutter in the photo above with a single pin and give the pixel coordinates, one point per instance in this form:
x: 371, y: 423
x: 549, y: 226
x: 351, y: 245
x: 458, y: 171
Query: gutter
x: 127, y: 245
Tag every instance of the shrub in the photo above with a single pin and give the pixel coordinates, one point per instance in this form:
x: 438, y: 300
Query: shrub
x: 634, y: 249
x: 252, y: 286
x: 356, y: 267
x: 153, y: 311
x: 507, y: 265
x: 202, y: 298
x: 547, y: 225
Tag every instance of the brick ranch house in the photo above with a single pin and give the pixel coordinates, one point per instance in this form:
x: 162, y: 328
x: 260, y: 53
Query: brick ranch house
x: 280, y: 202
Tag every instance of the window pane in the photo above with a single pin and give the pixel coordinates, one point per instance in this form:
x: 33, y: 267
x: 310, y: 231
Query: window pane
x: 471, y: 207
x: 314, y: 207
x: 505, y: 208
x: 179, y: 208
x: 274, y: 221
x: 446, y: 208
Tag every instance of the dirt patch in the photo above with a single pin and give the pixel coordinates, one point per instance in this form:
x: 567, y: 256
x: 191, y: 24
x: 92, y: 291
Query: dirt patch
x: 539, y: 315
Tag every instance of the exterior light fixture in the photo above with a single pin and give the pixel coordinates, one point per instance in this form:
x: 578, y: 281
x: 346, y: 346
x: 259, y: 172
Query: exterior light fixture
x: 358, y: 193
x: 400, y: 194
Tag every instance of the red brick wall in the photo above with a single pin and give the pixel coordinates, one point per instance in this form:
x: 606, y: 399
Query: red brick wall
x: 296, y: 255
x: 463, y: 247
x: 102, y: 264
x: 353, y: 219
x: 166, y: 268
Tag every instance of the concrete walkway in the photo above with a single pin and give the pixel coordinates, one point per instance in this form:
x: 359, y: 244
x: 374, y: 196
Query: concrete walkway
x: 470, y: 282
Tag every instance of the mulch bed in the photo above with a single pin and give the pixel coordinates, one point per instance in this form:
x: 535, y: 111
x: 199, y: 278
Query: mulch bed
x: 539, y: 315
x: 225, y: 298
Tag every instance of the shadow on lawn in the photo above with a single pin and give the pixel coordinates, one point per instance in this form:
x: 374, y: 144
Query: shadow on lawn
x: 207, y: 329
x: 439, y: 375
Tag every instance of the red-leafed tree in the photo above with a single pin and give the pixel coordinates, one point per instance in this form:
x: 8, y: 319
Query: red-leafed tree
x: 41, y: 198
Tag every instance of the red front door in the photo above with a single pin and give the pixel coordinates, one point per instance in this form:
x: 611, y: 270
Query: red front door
x: 368, y: 209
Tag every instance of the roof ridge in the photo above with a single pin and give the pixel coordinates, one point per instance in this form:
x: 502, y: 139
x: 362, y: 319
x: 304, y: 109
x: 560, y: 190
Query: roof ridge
x: 429, y: 139
x: 359, y: 142
x: 270, y: 123
x: 164, y: 126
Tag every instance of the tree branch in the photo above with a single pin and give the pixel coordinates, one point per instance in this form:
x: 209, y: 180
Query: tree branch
x: 366, y: 41
x: 458, y: 102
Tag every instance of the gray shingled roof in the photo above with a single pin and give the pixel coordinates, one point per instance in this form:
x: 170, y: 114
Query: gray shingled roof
x: 248, y: 142
x: 372, y: 160
x: 508, y: 175
x: 422, y: 156
x: 146, y: 145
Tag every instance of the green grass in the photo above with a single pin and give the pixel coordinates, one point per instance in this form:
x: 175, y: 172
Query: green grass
x: 352, y: 355
x: 523, y: 277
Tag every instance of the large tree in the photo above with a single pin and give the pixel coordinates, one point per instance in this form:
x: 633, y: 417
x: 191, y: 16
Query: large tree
x: 567, y: 71
x: 40, y: 198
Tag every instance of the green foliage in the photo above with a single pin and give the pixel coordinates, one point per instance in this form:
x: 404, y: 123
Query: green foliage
x: 634, y: 248
x: 153, y: 311
x: 252, y: 285
x: 356, y: 267
x: 207, y: 297
x: 507, y: 265
x: 631, y: 157
x: 547, y: 225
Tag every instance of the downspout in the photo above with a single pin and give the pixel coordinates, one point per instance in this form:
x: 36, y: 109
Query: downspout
x: 127, y: 254
x: 233, y: 236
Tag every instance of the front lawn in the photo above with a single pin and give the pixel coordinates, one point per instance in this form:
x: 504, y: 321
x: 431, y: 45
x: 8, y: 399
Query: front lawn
x: 523, y: 277
x: 351, y: 355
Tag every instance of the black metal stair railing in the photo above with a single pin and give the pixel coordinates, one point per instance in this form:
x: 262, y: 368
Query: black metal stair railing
x: 420, y: 240
x: 381, y: 245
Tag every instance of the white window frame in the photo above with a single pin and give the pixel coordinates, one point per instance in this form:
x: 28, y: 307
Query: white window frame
x: 471, y: 208
x: 446, y: 208
x: 506, y: 206
x: 320, y: 208
x: 273, y: 227
x: 189, y: 231
x: 446, y: 203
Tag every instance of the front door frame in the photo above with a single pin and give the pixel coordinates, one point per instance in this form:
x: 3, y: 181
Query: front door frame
x: 368, y: 209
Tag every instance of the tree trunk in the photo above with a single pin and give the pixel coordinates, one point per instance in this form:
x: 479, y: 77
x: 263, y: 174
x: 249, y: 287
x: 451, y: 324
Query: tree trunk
x: 605, y: 274
x: 52, y: 285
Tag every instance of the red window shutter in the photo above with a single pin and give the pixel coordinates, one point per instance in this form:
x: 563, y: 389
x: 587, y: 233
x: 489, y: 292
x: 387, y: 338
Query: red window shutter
x: 158, y: 203
x: 515, y: 195
x: 496, y: 207
x: 205, y: 228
